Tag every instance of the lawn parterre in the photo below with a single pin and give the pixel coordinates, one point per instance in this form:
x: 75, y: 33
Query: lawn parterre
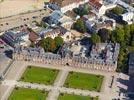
x: 27, y: 94
x: 75, y: 97
x: 39, y: 75
x: 84, y: 81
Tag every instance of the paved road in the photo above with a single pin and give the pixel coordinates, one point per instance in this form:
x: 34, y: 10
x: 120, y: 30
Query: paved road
x: 22, y: 19
x: 53, y: 89
x: 54, y: 93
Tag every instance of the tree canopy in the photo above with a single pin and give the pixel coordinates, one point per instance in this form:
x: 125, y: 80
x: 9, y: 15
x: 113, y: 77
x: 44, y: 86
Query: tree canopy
x: 118, y: 35
x: 95, y: 38
x: 84, y: 10
x: 104, y: 34
x: 80, y: 26
x: 58, y: 41
x: 118, y: 10
x: 125, y: 37
x: 50, y: 45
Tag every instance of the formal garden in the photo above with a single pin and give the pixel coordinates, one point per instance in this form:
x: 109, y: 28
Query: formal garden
x: 84, y: 81
x: 28, y: 94
x: 64, y: 96
x: 77, y: 80
x: 39, y: 75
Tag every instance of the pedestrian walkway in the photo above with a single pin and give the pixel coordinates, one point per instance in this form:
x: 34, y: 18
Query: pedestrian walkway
x: 106, y: 93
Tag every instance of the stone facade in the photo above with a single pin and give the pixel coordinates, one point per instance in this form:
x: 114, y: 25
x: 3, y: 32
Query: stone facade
x: 38, y: 55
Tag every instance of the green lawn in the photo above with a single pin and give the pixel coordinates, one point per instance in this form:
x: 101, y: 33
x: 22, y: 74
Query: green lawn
x: 75, y: 97
x: 27, y: 94
x: 39, y: 75
x: 84, y: 81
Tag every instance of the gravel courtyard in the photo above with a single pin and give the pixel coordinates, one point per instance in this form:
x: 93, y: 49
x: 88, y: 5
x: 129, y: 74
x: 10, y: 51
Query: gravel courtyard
x: 13, y: 7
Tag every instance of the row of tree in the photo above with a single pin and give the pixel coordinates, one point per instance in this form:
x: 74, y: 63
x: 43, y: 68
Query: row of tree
x: 51, y: 45
x: 124, y: 36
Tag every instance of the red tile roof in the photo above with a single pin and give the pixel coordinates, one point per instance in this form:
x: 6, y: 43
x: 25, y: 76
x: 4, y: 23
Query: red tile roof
x: 95, y: 3
x: 33, y: 36
x: 63, y: 3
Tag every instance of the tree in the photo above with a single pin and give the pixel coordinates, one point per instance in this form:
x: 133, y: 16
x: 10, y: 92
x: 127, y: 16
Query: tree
x: 132, y: 28
x: 43, y: 24
x: 132, y: 40
x: 104, y: 34
x: 58, y: 41
x: 95, y: 38
x: 118, y: 35
x: 83, y: 10
x: 127, y: 32
x: 48, y: 44
x: 80, y: 26
x: 117, y: 10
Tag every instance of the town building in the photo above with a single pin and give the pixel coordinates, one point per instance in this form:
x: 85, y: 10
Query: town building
x: 54, y: 32
x: 129, y: 1
x: 66, y: 22
x: 67, y: 5
x: 72, y: 15
x: 94, y: 24
x: 97, y: 7
x: 34, y: 37
x: 16, y: 38
x: 128, y: 17
x: 91, y: 16
x: 53, y: 19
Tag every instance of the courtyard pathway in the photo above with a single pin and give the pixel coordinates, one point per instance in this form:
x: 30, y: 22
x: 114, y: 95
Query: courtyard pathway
x: 106, y: 92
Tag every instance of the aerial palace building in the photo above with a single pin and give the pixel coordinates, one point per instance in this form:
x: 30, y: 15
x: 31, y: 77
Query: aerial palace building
x: 102, y: 56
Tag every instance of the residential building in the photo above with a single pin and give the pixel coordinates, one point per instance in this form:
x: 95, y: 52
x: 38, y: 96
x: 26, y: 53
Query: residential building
x: 66, y: 22
x: 129, y: 1
x: 91, y: 16
x: 67, y: 5
x: 94, y: 24
x: 128, y: 17
x: 16, y: 38
x: 34, y: 37
x: 53, y: 18
x: 97, y: 7
x: 52, y: 6
x: 72, y: 15
x: 54, y: 32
